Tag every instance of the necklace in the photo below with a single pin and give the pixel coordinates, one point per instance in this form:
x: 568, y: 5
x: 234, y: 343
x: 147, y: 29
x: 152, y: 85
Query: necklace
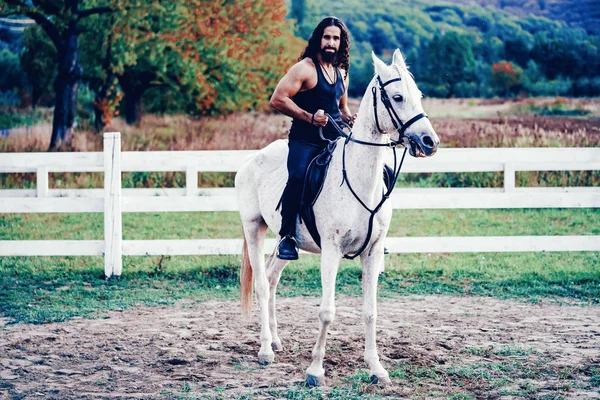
x: 329, y: 78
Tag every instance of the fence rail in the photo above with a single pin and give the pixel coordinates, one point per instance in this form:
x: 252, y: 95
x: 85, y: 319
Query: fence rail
x: 112, y: 200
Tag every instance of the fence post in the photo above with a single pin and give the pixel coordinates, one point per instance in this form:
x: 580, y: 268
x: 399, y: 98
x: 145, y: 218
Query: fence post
x: 509, y: 177
x: 113, y: 231
x: 191, y: 180
x: 41, y: 183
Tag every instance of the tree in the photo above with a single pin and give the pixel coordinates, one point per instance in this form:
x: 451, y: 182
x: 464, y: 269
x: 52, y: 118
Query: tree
x: 38, y: 61
x: 12, y: 75
x: 211, y: 56
x: 298, y: 11
x: 507, y: 77
x: 449, y: 63
x: 236, y: 53
x: 61, y: 21
x: 306, y: 15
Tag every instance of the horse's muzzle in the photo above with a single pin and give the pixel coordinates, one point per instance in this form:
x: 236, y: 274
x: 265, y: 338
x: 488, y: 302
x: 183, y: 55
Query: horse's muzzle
x: 422, y: 145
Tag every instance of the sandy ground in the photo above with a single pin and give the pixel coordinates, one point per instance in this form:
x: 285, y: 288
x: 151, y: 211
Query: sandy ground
x: 151, y: 352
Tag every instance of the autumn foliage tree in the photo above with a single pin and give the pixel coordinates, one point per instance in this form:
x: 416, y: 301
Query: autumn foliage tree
x: 217, y: 56
x: 506, y: 77
x: 239, y: 51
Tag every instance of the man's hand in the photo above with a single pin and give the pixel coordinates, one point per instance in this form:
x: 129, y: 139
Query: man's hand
x: 350, y: 119
x: 319, y: 118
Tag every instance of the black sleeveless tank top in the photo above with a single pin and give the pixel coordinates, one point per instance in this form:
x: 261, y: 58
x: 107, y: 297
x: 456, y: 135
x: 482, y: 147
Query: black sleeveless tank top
x: 324, y: 96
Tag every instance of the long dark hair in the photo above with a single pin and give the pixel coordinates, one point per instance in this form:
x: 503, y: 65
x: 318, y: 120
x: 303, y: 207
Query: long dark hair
x: 314, y: 43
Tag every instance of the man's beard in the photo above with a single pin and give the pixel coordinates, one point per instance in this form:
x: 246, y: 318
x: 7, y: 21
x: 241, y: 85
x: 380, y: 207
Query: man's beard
x: 328, y: 57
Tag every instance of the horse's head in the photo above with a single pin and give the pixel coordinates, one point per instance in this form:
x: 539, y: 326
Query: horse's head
x: 398, y: 109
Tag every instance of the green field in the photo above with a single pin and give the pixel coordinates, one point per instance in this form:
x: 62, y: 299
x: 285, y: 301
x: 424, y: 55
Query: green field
x: 41, y: 289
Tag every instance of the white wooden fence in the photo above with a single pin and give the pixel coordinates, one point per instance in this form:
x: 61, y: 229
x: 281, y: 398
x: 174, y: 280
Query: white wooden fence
x: 113, y: 200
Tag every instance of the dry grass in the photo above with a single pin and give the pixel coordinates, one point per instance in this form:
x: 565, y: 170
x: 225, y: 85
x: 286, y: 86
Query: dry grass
x: 490, y: 108
x: 505, y: 128
x: 491, y: 123
x: 518, y: 132
x: 176, y: 132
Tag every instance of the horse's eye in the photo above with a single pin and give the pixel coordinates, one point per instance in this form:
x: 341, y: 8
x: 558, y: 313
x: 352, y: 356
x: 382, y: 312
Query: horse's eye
x: 398, y: 97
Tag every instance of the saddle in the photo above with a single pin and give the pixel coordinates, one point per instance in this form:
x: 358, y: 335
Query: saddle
x: 313, y: 184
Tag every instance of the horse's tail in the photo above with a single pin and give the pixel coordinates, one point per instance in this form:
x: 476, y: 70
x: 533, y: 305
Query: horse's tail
x: 246, y: 280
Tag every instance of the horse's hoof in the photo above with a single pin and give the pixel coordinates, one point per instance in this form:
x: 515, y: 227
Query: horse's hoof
x: 276, y: 346
x: 266, y: 359
x: 314, y: 381
x: 380, y: 380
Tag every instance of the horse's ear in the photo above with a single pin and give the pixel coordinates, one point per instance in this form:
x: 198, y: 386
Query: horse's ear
x: 398, y: 59
x: 380, y: 66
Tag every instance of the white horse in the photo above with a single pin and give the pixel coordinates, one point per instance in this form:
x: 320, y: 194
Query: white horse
x: 390, y: 115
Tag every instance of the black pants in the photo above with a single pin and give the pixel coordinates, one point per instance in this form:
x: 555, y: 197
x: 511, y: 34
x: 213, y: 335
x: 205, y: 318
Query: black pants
x: 299, y: 156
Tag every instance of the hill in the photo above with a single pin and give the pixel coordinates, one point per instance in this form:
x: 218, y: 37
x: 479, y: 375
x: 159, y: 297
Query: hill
x: 577, y: 13
x: 465, y: 48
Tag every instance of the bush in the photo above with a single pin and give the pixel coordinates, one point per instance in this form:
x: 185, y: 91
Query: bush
x: 557, y: 87
x: 557, y: 107
x: 11, y: 77
x: 586, y: 87
x: 9, y: 99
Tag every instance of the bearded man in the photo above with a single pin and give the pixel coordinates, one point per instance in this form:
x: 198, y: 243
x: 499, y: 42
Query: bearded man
x: 315, y: 86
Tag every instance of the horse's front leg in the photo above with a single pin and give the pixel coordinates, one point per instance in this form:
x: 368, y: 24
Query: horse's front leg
x: 330, y: 261
x: 255, y: 234
x: 372, y: 263
x: 274, y: 268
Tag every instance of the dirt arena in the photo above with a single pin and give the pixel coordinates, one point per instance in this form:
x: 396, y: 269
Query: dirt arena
x: 205, y: 348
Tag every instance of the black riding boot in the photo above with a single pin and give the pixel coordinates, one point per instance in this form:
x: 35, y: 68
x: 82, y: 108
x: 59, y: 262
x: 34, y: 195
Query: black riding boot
x: 287, y: 248
x: 290, y: 206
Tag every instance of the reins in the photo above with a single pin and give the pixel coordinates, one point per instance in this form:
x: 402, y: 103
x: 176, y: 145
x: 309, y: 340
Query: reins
x: 400, y: 127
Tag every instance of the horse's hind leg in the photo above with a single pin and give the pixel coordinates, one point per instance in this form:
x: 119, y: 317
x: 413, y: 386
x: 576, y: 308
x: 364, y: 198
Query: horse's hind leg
x: 274, y: 268
x: 372, y: 263
x: 330, y: 261
x: 255, y: 231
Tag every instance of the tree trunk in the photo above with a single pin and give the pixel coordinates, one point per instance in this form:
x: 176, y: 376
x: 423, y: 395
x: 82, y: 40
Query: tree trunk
x: 133, y: 107
x: 134, y: 84
x: 65, y: 86
x: 36, y: 93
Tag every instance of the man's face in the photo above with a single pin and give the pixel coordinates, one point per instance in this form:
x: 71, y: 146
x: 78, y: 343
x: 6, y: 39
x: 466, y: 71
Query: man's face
x: 330, y: 43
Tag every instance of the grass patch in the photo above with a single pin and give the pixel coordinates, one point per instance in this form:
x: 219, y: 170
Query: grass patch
x: 515, y: 351
x: 87, y: 180
x: 48, y: 289
x: 594, y: 376
x: 222, y: 225
x: 40, y: 289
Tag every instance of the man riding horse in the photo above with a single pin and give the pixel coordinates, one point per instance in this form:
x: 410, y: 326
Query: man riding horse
x: 351, y: 213
x: 313, y: 88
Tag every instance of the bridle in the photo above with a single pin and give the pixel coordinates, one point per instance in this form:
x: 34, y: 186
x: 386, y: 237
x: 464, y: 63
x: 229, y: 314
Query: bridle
x: 399, y: 126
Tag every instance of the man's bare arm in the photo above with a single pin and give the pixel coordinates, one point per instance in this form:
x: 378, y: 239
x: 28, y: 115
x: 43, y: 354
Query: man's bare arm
x: 347, y: 115
x: 288, y: 87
